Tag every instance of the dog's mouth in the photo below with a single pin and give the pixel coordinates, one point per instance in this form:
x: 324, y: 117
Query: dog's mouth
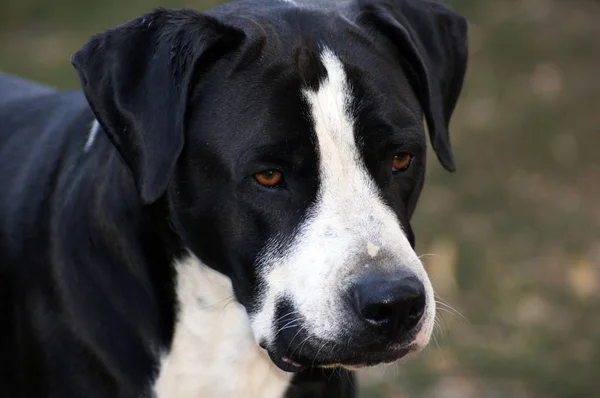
x: 297, y: 362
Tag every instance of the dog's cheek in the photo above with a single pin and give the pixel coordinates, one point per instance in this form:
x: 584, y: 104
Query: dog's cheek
x: 261, y: 313
x: 261, y: 320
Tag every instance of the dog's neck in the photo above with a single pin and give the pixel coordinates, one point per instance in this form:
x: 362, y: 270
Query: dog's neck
x: 137, y: 239
x: 213, y: 353
x: 209, y: 349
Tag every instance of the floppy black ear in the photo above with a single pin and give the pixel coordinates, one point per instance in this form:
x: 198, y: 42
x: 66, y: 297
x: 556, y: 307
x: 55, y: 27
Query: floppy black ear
x: 432, y: 40
x: 137, y: 77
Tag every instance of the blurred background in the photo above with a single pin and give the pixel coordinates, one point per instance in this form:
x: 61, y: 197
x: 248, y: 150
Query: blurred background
x: 511, y: 240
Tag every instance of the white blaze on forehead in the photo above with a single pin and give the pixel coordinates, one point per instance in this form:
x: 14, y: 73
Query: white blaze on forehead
x: 333, y: 123
x: 347, y: 217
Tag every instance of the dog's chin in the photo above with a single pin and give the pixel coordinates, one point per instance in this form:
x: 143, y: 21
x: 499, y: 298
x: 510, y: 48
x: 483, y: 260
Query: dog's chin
x: 298, y: 363
x: 370, y: 360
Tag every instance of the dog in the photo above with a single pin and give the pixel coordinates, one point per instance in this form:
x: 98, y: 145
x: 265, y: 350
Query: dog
x: 224, y: 209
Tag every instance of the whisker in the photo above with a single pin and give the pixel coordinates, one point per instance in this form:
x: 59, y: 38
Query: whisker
x: 443, y: 302
x: 447, y: 311
x: 436, y: 342
x: 440, y: 298
x: 427, y: 255
x: 301, y: 346
x: 286, y: 326
x: 438, y: 325
x: 350, y: 379
x: 451, y: 310
x: 330, y: 376
x: 294, y: 338
x: 317, y: 354
x: 445, y: 324
x: 383, y: 370
x: 339, y: 374
x: 285, y: 316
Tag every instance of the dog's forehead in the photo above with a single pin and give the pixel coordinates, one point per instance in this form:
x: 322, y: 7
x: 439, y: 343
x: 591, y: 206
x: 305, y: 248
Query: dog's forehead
x: 381, y: 91
x: 283, y: 55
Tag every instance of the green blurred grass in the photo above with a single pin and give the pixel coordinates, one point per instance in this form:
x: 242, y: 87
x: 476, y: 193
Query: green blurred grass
x: 514, y: 233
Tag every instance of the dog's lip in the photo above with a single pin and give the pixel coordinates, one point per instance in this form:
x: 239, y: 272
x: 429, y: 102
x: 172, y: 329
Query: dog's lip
x: 284, y: 363
x: 289, y: 361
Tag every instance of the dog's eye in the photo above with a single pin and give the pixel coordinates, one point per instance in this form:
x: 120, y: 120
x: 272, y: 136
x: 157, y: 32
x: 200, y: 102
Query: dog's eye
x: 402, y: 162
x: 269, y: 178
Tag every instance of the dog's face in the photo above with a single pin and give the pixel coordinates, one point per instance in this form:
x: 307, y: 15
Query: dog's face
x: 291, y: 152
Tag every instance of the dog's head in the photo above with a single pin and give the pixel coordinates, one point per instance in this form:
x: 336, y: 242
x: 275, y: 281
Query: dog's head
x: 289, y: 144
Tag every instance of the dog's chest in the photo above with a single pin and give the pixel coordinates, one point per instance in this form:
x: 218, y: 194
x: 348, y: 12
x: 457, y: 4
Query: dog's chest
x: 213, y: 353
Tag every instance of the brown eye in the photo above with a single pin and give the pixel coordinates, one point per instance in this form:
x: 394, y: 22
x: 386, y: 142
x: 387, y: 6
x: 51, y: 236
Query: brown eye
x: 402, y: 162
x: 269, y: 178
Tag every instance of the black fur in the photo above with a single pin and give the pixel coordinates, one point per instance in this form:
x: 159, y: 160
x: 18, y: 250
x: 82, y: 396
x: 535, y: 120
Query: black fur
x: 191, y: 105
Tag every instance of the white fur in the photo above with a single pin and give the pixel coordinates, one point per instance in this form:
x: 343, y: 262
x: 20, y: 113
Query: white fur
x: 91, y: 136
x: 214, y: 353
x: 348, y: 217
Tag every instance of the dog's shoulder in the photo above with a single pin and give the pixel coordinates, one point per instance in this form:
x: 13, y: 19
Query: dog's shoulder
x: 14, y: 88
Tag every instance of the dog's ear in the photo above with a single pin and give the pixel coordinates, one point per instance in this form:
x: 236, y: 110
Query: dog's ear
x: 432, y: 42
x: 137, y: 79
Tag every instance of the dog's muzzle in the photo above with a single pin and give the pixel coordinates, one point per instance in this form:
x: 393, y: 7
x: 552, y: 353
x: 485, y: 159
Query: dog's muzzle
x: 382, y: 315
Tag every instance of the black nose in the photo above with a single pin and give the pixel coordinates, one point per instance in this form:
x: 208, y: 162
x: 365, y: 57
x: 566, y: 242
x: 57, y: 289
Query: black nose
x: 390, y: 305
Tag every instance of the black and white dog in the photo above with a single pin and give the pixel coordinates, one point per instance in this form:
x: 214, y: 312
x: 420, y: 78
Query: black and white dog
x: 224, y: 211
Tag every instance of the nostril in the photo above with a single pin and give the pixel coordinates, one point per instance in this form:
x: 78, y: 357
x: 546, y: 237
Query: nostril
x: 416, y: 311
x: 378, y: 314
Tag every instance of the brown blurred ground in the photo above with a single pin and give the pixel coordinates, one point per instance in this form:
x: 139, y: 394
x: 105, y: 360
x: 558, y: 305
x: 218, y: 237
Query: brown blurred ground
x: 514, y: 235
